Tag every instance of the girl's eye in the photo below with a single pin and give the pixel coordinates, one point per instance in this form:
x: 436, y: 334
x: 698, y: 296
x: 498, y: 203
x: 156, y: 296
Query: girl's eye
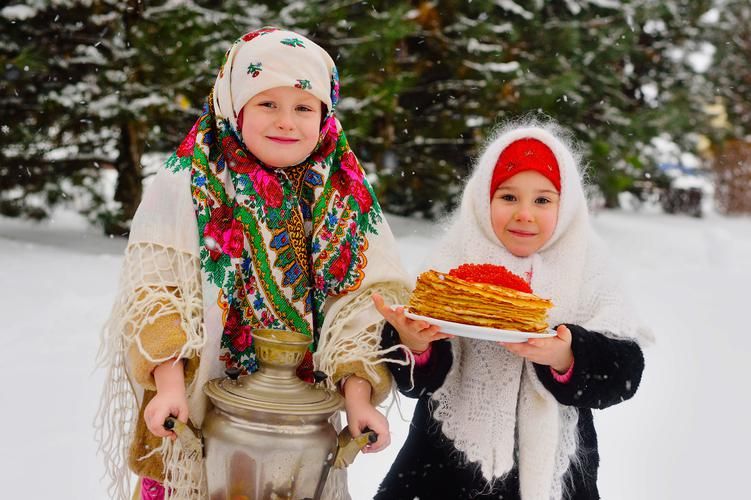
x: 304, y: 108
x: 266, y: 104
x: 542, y: 200
x: 508, y: 197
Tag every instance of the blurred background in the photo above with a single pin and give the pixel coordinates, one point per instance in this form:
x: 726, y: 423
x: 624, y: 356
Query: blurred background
x: 96, y: 93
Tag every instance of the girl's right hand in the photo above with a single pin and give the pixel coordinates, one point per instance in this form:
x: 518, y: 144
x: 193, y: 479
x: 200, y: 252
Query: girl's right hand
x: 162, y: 405
x: 170, y: 399
x: 415, y: 334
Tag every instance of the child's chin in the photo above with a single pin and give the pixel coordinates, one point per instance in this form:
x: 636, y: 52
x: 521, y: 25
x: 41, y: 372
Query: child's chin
x: 284, y: 162
x: 521, y: 251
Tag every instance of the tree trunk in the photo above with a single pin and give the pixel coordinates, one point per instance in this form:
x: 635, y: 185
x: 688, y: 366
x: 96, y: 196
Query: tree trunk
x: 131, y: 144
x: 129, y: 177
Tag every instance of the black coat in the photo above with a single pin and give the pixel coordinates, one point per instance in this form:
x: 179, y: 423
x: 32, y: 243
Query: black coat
x: 606, y: 372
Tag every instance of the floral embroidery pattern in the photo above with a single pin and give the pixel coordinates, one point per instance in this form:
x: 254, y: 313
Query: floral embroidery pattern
x: 255, y: 69
x: 293, y: 42
x: 253, y: 34
x: 303, y: 84
x: 348, y: 181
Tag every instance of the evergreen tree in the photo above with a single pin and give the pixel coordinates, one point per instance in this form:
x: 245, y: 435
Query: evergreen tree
x: 584, y: 64
x: 52, y: 60
x: 91, y: 83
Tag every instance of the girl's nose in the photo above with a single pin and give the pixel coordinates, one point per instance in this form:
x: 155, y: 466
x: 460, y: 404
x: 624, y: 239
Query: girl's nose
x: 284, y: 121
x: 524, y: 214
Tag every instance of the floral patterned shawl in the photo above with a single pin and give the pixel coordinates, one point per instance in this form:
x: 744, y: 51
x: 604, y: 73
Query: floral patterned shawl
x: 277, y: 244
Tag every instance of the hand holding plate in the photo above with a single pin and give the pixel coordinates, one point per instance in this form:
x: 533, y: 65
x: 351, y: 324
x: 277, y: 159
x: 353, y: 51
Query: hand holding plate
x: 415, y: 334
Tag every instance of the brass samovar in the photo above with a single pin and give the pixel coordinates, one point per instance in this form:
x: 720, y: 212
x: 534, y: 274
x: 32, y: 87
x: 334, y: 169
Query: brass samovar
x: 269, y: 435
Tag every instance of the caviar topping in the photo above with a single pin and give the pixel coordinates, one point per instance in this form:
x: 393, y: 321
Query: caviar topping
x: 492, y: 275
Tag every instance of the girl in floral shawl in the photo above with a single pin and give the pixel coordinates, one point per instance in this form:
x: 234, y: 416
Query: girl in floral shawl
x: 262, y: 218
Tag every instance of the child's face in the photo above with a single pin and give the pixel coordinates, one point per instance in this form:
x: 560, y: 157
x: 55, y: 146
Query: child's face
x: 524, y: 212
x: 281, y: 125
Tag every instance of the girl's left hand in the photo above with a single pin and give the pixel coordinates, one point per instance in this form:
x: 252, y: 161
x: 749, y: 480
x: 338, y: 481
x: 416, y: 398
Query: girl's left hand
x: 362, y: 414
x: 553, y: 351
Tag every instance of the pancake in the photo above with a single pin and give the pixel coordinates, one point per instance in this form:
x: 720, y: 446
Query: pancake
x: 451, y: 298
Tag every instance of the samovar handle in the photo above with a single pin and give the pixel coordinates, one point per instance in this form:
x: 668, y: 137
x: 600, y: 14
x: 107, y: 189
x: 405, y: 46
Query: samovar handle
x: 190, y: 443
x: 347, y: 449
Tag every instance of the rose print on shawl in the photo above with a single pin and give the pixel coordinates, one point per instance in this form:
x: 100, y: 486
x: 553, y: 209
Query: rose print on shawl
x: 265, y: 182
x: 214, y: 230
x: 186, y: 147
x: 187, y: 152
x: 268, y: 186
x: 329, y: 141
x: 341, y: 264
x: 348, y: 181
x: 237, y: 338
x: 223, y: 233
x: 239, y: 335
x: 234, y: 239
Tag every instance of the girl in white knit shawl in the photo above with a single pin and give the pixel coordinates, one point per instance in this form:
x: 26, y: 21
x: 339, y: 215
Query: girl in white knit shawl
x: 513, y: 420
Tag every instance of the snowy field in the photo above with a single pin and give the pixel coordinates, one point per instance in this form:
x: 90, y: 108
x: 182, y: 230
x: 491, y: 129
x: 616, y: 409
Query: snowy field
x: 684, y: 436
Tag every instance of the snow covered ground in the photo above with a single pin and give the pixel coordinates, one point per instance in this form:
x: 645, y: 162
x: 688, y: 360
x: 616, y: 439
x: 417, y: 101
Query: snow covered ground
x: 685, y: 435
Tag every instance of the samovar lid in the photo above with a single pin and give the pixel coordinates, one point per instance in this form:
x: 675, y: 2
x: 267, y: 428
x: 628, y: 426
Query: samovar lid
x: 275, y: 387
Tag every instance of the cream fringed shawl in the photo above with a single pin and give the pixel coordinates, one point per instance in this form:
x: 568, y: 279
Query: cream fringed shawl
x: 162, y: 255
x: 490, y: 394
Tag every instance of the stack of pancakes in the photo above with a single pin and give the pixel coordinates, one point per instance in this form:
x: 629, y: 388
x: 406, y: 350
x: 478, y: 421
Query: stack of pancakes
x: 446, y: 297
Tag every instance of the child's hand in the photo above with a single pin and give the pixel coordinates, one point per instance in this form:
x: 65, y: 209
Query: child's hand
x: 164, y: 404
x: 415, y: 334
x: 362, y: 414
x: 169, y: 400
x: 554, y: 351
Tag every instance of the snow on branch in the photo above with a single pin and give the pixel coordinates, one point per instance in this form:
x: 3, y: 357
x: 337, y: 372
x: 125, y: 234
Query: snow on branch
x: 514, y: 7
x: 18, y: 12
x: 507, y: 67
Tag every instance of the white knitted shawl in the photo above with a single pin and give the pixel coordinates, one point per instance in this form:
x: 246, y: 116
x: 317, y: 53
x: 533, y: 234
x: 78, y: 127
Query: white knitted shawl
x: 491, y: 395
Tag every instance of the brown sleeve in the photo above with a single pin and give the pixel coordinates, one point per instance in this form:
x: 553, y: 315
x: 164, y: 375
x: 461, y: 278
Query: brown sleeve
x: 380, y: 389
x: 162, y: 339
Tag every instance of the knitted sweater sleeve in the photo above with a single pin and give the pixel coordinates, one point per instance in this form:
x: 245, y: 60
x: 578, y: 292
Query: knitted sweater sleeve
x: 606, y: 371
x: 427, y: 377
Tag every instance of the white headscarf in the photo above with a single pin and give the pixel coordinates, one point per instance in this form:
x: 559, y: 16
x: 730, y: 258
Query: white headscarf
x: 489, y: 391
x: 276, y: 58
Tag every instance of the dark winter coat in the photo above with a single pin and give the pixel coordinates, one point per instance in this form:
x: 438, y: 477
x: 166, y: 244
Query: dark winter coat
x: 606, y: 371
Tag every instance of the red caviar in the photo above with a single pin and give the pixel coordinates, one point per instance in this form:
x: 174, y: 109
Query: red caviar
x: 490, y: 274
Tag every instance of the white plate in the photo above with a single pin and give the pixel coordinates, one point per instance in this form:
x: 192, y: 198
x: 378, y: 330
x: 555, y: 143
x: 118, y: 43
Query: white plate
x: 478, y: 332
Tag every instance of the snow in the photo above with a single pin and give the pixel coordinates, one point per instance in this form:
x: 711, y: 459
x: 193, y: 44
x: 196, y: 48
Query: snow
x: 684, y: 435
x: 492, y: 67
x: 17, y: 12
x: 515, y: 8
